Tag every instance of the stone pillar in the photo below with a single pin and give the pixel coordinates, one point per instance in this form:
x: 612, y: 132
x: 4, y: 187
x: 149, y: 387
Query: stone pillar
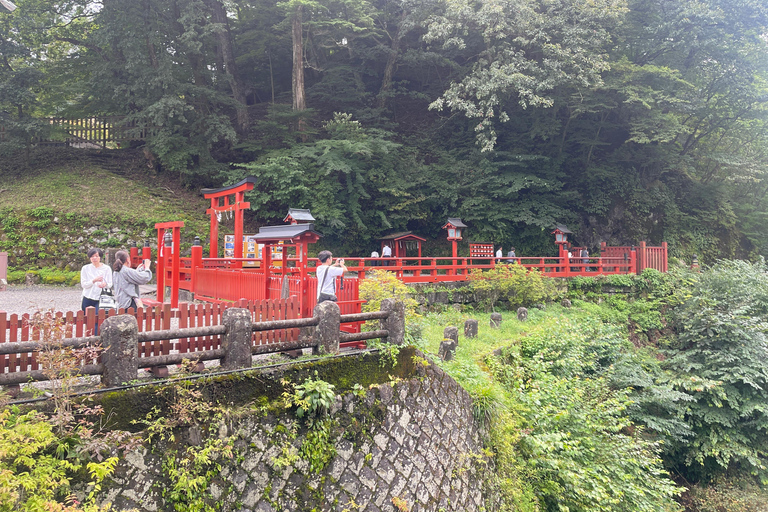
x: 470, y: 328
x: 326, y: 335
x: 120, y: 340
x: 236, y: 342
x: 522, y: 314
x: 451, y: 333
x: 395, y: 323
x: 447, y: 349
x: 495, y: 320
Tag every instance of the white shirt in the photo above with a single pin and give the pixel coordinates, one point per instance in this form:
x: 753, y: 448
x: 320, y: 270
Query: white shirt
x: 328, y: 283
x: 88, y: 273
x: 386, y: 252
x: 499, y: 253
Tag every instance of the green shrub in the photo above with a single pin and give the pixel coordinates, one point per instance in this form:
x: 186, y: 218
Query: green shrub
x: 514, y: 283
x: 719, y: 358
x: 727, y: 495
x: 381, y: 284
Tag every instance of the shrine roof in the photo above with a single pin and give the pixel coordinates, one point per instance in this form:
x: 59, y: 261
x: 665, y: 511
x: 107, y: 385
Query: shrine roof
x: 456, y: 222
x: 285, y: 233
x: 299, y: 214
x: 405, y: 235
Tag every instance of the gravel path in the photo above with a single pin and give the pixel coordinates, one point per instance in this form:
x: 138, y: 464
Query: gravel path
x: 28, y: 299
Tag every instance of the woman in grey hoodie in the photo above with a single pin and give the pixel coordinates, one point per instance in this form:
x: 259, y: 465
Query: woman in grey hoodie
x: 126, y: 280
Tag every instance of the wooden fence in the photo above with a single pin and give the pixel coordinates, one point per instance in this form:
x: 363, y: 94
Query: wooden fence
x: 124, y: 344
x: 96, y: 131
x: 20, y: 328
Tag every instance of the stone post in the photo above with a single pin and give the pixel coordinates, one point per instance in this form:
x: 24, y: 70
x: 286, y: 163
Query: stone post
x: 120, y: 340
x: 495, y: 320
x: 451, y: 333
x: 395, y: 323
x: 470, y: 328
x: 326, y: 335
x: 447, y: 349
x: 236, y: 342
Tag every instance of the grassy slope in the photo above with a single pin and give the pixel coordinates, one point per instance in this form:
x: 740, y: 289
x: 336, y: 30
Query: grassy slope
x: 92, y: 199
x: 70, y: 181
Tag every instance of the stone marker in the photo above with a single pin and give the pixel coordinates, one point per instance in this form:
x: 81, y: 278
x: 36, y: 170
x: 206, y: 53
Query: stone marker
x: 447, y: 349
x: 326, y: 334
x: 236, y: 342
x: 395, y: 322
x: 495, y: 320
x: 120, y: 339
x: 451, y: 333
x: 565, y: 303
x: 470, y: 328
x: 522, y: 314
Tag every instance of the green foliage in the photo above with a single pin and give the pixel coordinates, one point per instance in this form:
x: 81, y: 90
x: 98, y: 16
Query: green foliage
x: 379, y: 285
x: 513, y: 283
x: 312, y: 398
x: 318, y: 447
x: 719, y: 359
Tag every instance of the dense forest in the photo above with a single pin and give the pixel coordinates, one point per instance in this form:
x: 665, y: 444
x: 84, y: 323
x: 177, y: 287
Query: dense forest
x: 627, y: 120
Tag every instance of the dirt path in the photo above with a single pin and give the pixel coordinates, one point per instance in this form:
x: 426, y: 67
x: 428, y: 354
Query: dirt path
x: 28, y: 299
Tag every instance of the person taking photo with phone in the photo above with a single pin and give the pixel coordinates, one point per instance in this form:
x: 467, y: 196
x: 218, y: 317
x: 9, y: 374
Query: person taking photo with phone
x: 126, y: 280
x: 327, y: 272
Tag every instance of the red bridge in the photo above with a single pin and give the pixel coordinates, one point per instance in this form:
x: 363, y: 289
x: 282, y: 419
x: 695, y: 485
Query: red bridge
x: 278, y: 265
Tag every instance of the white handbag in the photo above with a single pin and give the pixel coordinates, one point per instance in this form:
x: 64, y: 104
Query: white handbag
x: 107, y: 299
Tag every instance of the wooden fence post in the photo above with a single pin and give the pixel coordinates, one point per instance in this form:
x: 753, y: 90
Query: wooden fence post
x: 395, y: 322
x: 120, y: 339
x: 236, y: 342
x: 326, y: 335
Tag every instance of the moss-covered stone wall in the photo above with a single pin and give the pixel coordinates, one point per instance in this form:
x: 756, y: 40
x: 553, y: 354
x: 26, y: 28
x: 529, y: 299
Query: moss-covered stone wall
x: 405, y: 436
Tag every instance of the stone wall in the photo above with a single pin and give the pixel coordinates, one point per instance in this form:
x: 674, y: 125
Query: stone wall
x: 413, y: 440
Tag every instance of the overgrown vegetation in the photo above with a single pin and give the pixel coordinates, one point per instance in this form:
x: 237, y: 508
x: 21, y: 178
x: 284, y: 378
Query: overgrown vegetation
x: 599, y: 406
x: 50, y: 217
x: 41, y: 454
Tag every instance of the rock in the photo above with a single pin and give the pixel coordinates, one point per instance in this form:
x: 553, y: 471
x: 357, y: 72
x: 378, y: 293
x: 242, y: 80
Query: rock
x: 522, y: 314
x: 447, y: 349
x: 451, y: 333
x: 565, y: 303
x: 495, y: 320
x: 470, y: 328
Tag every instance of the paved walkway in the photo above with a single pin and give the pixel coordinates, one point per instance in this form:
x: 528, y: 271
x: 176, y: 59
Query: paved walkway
x: 28, y: 299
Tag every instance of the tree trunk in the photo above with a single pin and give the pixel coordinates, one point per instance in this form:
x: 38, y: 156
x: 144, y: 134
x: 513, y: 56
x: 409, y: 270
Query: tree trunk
x: 230, y: 66
x: 299, y: 102
x: 389, y: 68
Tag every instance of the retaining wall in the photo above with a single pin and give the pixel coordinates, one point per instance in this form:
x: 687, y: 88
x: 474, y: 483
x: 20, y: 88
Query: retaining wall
x: 413, y: 440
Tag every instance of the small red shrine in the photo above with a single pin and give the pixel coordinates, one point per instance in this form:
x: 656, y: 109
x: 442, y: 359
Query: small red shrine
x: 401, y: 243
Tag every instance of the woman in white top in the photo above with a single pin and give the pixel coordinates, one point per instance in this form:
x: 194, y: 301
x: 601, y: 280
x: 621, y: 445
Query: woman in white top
x: 94, y: 277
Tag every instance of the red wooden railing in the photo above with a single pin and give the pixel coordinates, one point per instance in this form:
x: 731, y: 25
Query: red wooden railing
x: 16, y: 327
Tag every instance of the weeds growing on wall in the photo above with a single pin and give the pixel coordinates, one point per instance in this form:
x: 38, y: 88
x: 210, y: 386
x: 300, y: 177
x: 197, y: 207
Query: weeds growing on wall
x: 312, y: 401
x: 41, y: 455
x: 189, y: 470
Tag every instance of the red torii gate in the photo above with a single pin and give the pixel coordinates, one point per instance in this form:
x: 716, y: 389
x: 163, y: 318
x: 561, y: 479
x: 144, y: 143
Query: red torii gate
x: 221, y: 195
